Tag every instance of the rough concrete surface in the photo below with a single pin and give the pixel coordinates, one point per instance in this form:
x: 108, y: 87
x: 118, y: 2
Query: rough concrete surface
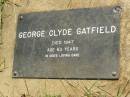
x: 10, y: 87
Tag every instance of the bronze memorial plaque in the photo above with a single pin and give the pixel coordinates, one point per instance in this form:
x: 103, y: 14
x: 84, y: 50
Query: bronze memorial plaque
x: 70, y: 44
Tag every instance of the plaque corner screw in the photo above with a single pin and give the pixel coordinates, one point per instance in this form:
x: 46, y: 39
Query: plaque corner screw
x: 117, y: 9
x: 21, y: 17
x: 114, y: 73
x: 15, y: 73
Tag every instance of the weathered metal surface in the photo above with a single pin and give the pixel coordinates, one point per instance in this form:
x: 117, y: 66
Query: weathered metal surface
x: 75, y: 43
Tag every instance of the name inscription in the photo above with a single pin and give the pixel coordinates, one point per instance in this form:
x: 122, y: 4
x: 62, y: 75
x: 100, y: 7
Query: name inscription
x: 68, y: 32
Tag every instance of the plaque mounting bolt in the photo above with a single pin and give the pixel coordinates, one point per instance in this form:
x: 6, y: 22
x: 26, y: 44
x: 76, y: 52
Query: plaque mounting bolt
x: 117, y: 9
x: 114, y: 73
x: 15, y: 73
x: 21, y: 17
